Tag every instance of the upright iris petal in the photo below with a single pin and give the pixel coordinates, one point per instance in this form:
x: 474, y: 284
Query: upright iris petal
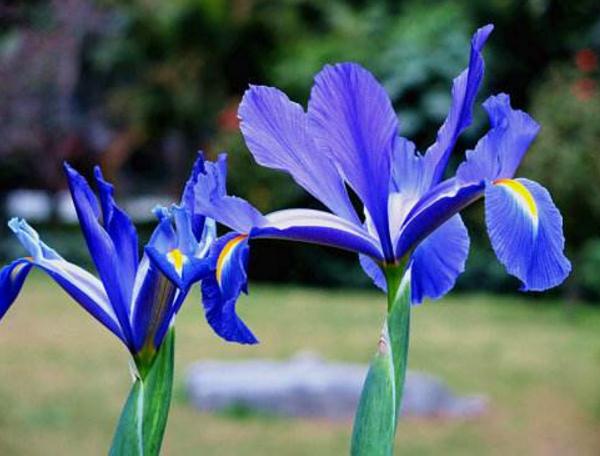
x: 277, y: 133
x: 353, y: 122
x: 464, y: 90
x: 102, y: 246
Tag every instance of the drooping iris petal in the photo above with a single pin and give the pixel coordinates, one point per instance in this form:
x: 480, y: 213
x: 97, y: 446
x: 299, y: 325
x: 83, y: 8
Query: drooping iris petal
x: 276, y: 132
x: 317, y: 227
x: 221, y: 290
x: 353, y: 122
x: 82, y: 286
x: 525, y: 229
x: 499, y: 153
x: 295, y: 224
x: 101, y: 248
x: 211, y: 199
x: 188, y: 197
x: 12, y: 277
x: 439, y: 260
x: 121, y: 230
x: 464, y: 90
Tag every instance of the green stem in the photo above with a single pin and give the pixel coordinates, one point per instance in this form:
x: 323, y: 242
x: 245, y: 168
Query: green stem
x: 381, y: 399
x: 144, y: 417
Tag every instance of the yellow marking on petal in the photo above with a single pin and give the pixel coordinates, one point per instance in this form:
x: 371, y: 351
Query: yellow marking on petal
x: 226, y: 254
x: 177, y: 259
x: 522, y: 191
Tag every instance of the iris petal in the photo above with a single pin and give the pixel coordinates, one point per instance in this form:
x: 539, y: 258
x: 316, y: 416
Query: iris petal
x: 82, y: 286
x: 434, y: 209
x: 499, y: 153
x: 102, y: 249
x: 464, y: 91
x: 221, y: 290
x: 153, y: 298
x: 353, y: 122
x: 318, y: 227
x: 525, y: 229
x: 121, y: 230
x: 439, y: 260
x: 276, y: 132
x: 411, y: 174
x: 211, y: 199
x: 188, y: 198
x: 373, y: 270
x: 306, y: 225
x: 12, y: 277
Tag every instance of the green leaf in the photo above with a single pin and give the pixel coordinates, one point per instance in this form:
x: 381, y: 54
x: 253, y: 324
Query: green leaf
x: 379, y: 407
x: 144, y: 417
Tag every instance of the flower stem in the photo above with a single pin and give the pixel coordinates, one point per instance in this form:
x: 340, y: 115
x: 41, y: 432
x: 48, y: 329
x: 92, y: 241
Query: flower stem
x: 379, y: 407
x: 144, y: 417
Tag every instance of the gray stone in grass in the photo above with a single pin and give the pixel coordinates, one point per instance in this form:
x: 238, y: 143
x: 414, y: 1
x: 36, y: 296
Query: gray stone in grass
x: 307, y: 386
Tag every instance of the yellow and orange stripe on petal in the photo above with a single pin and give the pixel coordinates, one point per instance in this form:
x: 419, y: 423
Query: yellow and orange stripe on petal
x: 523, y: 195
x: 226, y: 253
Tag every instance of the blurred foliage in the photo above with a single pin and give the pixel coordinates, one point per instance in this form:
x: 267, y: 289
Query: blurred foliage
x: 141, y: 85
x: 566, y: 156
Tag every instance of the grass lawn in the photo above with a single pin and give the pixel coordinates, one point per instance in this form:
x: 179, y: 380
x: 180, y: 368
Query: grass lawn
x: 63, y: 378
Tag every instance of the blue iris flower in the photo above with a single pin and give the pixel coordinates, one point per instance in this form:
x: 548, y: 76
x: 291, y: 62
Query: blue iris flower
x: 135, y: 299
x: 349, y: 138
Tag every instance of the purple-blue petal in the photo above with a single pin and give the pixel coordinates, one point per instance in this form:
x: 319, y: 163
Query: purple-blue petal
x: 499, y: 153
x: 434, y: 209
x: 410, y: 171
x: 318, y: 227
x: 101, y: 248
x: 188, y: 197
x: 439, y: 260
x: 12, y: 277
x: 121, y: 230
x: 373, y: 270
x: 353, y: 122
x: 464, y: 91
x: 276, y: 132
x: 221, y: 290
x: 152, y: 302
x: 211, y: 199
x: 525, y: 229
x: 82, y: 286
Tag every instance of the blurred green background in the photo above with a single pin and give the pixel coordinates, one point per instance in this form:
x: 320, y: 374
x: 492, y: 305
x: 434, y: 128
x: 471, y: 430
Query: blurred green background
x: 139, y: 86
